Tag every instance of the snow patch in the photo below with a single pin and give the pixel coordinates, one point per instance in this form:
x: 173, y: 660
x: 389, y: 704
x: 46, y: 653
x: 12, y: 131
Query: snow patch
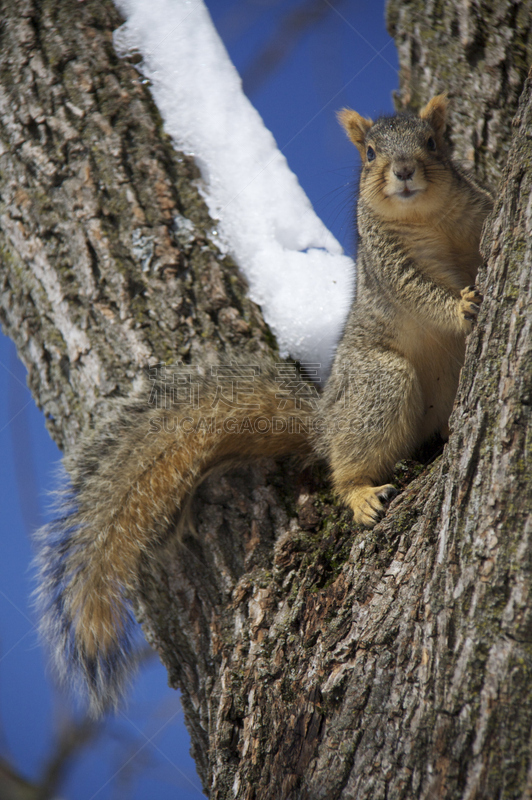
x: 295, y: 267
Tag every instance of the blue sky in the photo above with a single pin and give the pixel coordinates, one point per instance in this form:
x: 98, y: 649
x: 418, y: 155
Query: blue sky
x: 346, y: 59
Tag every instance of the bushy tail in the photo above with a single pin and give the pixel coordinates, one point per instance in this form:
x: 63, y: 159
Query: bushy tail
x: 127, y: 483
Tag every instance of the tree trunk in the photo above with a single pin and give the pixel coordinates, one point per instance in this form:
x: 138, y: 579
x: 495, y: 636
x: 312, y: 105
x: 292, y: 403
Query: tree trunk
x: 316, y: 660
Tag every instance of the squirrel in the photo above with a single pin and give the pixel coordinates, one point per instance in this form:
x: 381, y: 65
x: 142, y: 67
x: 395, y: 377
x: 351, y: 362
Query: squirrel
x: 392, y: 386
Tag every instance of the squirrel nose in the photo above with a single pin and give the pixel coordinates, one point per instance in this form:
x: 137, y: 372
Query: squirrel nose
x: 404, y: 172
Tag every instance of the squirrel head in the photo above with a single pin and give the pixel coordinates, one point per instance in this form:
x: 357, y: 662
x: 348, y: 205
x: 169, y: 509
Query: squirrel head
x: 405, y: 160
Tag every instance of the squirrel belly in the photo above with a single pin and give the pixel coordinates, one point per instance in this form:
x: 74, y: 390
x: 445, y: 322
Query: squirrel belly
x: 392, y: 386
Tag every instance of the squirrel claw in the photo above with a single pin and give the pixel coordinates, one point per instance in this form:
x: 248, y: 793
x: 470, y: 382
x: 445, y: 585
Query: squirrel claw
x: 388, y: 493
x: 469, y: 305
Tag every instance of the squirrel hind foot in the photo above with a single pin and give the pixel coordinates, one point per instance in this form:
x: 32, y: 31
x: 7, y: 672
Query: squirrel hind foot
x: 369, y: 503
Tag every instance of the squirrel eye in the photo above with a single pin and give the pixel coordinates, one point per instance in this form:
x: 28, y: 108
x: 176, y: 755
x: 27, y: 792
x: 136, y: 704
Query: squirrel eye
x: 370, y: 153
x: 431, y: 144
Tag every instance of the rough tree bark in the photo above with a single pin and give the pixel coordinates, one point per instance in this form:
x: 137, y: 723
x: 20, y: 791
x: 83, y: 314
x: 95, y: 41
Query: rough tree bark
x: 109, y: 261
x: 316, y: 660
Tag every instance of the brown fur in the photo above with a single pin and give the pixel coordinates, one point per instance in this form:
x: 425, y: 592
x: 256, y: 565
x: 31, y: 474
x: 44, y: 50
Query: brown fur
x: 134, y: 496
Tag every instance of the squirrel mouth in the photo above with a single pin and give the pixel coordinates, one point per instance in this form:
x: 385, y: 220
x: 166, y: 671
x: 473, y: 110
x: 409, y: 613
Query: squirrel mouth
x: 406, y: 192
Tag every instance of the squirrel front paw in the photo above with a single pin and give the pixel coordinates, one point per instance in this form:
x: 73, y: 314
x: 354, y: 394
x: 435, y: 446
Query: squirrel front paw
x: 369, y: 503
x: 469, y: 306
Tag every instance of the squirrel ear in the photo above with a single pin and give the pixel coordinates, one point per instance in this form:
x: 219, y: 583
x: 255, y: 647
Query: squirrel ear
x: 435, y: 112
x: 355, y: 126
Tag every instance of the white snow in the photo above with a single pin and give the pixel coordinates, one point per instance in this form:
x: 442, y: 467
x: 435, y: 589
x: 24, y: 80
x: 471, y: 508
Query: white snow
x: 295, y: 267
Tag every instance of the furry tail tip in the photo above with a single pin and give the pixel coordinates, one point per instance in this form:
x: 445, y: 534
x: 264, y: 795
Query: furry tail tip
x: 85, y: 618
